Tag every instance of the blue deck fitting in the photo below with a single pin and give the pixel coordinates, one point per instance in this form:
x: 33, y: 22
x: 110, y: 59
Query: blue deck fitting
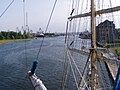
x: 34, y: 66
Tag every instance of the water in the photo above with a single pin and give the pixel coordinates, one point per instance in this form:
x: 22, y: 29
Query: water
x: 14, y: 66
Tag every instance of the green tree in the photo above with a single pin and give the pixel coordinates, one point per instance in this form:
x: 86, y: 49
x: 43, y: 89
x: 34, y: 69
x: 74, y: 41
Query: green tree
x: 1, y: 36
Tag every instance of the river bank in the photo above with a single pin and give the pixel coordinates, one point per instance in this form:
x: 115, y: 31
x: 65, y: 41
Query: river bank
x: 11, y: 40
x: 116, y: 51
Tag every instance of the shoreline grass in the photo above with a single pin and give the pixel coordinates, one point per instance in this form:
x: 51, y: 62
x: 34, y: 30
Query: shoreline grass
x: 11, y: 40
x: 116, y: 50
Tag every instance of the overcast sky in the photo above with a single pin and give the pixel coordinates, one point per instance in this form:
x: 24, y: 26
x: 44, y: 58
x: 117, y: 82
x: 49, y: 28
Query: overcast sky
x: 38, y: 14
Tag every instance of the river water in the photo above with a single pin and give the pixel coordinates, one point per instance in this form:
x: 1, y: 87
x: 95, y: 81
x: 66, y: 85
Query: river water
x: 14, y: 64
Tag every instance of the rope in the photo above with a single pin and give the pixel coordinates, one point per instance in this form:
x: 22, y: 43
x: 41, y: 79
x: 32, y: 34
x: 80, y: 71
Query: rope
x: 24, y: 30
x: 113, y: 20
x: 86, y: 65
x: 73, y: 72
x: 67, y: 38
x: 68, y: 53
x: 77, y: 68
x: 65, y: 75
x: 26, y: 53
x: 7, y: 8
x: 75, y: 23
x: 79, y: 22
x: 71, y: 22
x: 73, y: 4
x: 24, y: 12
x: 46, y: 28
x: 66, y: 32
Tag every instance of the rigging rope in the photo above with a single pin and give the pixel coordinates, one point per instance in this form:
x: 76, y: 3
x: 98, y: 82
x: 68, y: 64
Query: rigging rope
x: 66, y: 32
x: 7, y: 8
x: 79, y: 21
x: 72, y: 27
x: 26, y: 52
x: 46, y: 28
x: 113, y: 19
x: 73, y: 4
x: 71, y: 22
x: 75, y: 24
x: 77, y: 68
x: 65, y: 75
x: 67, y: 38
x: 24, y: 30
x: 70, y: 60
x: 73, y: 72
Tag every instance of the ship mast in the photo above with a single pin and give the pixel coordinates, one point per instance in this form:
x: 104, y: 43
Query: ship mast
x: 93, y: 79
x: 93, y: 31
x: 93, y: 76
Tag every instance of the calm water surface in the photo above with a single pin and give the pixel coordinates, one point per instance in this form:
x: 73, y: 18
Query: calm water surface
x: 14, y: 65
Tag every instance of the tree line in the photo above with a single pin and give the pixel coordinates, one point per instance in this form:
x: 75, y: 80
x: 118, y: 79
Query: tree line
x: 13, y: 35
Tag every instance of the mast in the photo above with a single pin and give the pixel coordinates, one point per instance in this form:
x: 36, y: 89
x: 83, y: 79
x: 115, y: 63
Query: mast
x: 93, y: 75
x: 24, y: 13
x: 93, y: 44
x: 26, y: 19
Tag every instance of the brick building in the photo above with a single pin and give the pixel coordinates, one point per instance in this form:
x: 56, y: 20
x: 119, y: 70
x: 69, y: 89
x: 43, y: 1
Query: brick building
x: 105, y: 32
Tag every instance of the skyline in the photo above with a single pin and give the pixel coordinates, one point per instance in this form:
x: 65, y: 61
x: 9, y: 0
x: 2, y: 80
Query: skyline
x: 38, y: 13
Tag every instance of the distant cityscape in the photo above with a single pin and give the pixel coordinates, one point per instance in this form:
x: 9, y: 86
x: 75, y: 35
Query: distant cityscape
x: 105, y: 33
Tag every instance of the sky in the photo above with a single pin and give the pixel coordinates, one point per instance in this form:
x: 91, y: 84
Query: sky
x: 38, y: 12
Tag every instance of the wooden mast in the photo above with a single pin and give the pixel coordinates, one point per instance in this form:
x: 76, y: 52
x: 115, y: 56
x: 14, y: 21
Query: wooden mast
x: 93, y: 75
